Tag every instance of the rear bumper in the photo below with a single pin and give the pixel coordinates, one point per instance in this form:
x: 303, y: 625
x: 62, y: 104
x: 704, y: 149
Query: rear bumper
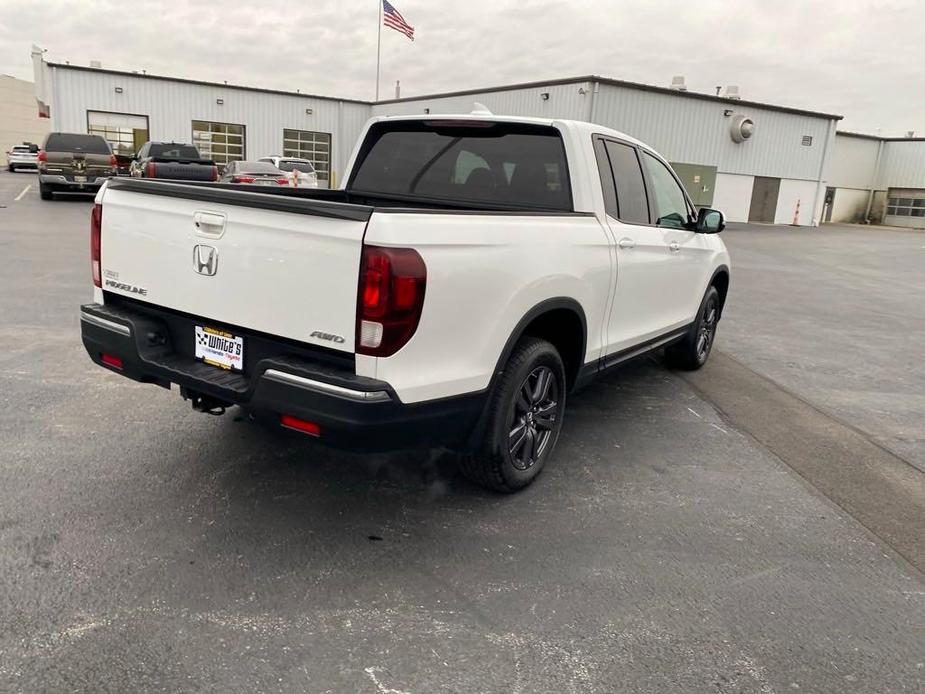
x: 352, y: 411
x: 61, y: 181
x: 23, y: 163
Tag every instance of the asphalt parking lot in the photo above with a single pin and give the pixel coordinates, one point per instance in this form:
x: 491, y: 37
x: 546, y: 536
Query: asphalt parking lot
x: 720, y: 532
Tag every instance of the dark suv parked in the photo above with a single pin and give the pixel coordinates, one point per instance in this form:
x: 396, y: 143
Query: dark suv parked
x: 74, y: 163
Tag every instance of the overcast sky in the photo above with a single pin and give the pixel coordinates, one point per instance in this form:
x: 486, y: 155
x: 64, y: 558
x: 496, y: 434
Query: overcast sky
x: 862, y: 59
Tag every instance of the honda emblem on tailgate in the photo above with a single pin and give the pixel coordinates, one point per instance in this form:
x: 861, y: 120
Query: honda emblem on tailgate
x: 205, y: 260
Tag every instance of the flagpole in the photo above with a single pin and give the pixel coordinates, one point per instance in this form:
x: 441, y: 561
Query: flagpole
x: 378, y: 46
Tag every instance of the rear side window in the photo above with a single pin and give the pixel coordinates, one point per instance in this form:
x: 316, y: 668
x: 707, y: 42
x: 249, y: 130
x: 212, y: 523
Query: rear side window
x: 631, y: 191
x: 477, y: 163
x: 74, y: 142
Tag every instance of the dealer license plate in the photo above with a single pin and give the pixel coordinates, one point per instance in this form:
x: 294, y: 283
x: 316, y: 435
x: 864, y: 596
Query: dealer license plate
x: 220, y: 348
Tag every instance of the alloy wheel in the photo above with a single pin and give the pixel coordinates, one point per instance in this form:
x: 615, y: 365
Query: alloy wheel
x: 707, y: 329
x: 535, y: 413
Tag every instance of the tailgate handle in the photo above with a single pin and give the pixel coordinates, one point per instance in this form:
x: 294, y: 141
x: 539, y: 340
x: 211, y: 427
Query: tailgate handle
x: 210, y: 224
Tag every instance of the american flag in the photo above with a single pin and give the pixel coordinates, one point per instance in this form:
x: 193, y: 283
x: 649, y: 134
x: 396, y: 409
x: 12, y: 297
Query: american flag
x: 392, y: 18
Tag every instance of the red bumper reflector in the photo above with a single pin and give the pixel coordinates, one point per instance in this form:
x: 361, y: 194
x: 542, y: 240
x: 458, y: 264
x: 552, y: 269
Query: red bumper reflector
x: 112, y: 361
x: 291, y: 422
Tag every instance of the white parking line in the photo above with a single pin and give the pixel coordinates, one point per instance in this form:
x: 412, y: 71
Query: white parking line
x: 24, y: 191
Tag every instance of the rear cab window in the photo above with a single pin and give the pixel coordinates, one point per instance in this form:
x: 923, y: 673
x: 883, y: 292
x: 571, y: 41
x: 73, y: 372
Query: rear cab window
x: 75, y: 142
x: 480, y: 164
x: 289, y: 165
x: 173, y: 151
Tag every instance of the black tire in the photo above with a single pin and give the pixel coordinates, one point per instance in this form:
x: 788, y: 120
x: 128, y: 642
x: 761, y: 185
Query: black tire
x: 45, y: 192
x: 692, y: 352
x: 530, y: 396
x: 12, y: 168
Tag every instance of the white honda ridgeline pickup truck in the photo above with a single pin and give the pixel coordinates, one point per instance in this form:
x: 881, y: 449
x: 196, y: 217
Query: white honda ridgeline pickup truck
x: 473, y: 271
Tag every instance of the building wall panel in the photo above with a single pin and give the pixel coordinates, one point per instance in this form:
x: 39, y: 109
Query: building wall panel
x: 853, y: 162
x: 732, y: 196
x: 19, y: 120
x: 850, y: 205
x: 902, y: 164
x: 792, y: 193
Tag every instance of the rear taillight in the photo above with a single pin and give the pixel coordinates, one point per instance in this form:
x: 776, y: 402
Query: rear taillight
x: 214, y: 173
x: 283, y: 181
x: 42, y: 155
x: 113, y: 162
x: 96, y: 227
x: 242, y: 179
x: 390, y: 299
x: 150, y: 169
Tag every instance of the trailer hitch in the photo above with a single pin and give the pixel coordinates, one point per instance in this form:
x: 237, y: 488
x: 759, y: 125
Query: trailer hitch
x: 204, y: 403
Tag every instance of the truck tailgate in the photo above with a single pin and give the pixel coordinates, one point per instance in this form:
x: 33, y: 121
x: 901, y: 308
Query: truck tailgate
x: 281, y: 265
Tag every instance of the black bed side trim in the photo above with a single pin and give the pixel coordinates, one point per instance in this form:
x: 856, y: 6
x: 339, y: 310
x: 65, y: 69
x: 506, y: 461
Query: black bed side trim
x: 245, y: 196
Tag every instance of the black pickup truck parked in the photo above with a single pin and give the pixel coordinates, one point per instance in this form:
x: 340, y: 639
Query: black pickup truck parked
x: 172, y: 160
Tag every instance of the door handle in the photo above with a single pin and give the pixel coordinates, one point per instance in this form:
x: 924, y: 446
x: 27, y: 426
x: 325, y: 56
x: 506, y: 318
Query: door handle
x: 674, y: 247
x: 626, y: 243
x: 209, y: 223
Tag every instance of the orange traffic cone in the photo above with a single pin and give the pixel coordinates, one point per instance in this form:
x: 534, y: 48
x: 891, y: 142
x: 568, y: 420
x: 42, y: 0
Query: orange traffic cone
x: 796, y: 215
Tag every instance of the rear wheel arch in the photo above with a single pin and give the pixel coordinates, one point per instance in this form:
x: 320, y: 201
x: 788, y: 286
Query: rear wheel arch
x: 560, y: 321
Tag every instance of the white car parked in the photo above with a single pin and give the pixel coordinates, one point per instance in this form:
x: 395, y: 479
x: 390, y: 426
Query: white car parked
x: 471, y: 274
x: 301, y: 171
x: 22, y: 157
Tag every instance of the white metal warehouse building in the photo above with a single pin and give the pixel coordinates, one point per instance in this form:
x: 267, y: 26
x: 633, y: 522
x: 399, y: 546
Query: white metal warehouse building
x: 877, y: 178
x: 777, y: 173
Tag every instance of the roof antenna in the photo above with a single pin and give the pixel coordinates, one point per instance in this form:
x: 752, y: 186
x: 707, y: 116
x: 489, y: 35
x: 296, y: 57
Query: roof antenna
x: 480, y: 110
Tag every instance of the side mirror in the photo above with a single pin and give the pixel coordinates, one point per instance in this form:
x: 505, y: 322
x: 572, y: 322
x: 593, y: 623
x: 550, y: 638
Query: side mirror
x: 710, y: 221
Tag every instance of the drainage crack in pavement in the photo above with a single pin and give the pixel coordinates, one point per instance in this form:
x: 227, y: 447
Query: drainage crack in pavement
x: 882, y: 491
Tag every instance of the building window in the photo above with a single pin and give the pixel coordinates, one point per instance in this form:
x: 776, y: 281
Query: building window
x: 807, y: 140
x: 316, y: 147
x: 220, y: 142
x: 906, y: 207
x: 125, y: 132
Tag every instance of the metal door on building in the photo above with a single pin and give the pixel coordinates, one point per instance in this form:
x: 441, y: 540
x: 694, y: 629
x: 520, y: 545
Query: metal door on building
x: 699, y: 181
x: 828, y: 204
x: 764, y: 199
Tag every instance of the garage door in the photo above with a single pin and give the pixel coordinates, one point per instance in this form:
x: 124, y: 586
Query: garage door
x: 905, y: 207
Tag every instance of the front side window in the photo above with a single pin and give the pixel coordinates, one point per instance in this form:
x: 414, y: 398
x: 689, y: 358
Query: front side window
x: 670, y: 204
